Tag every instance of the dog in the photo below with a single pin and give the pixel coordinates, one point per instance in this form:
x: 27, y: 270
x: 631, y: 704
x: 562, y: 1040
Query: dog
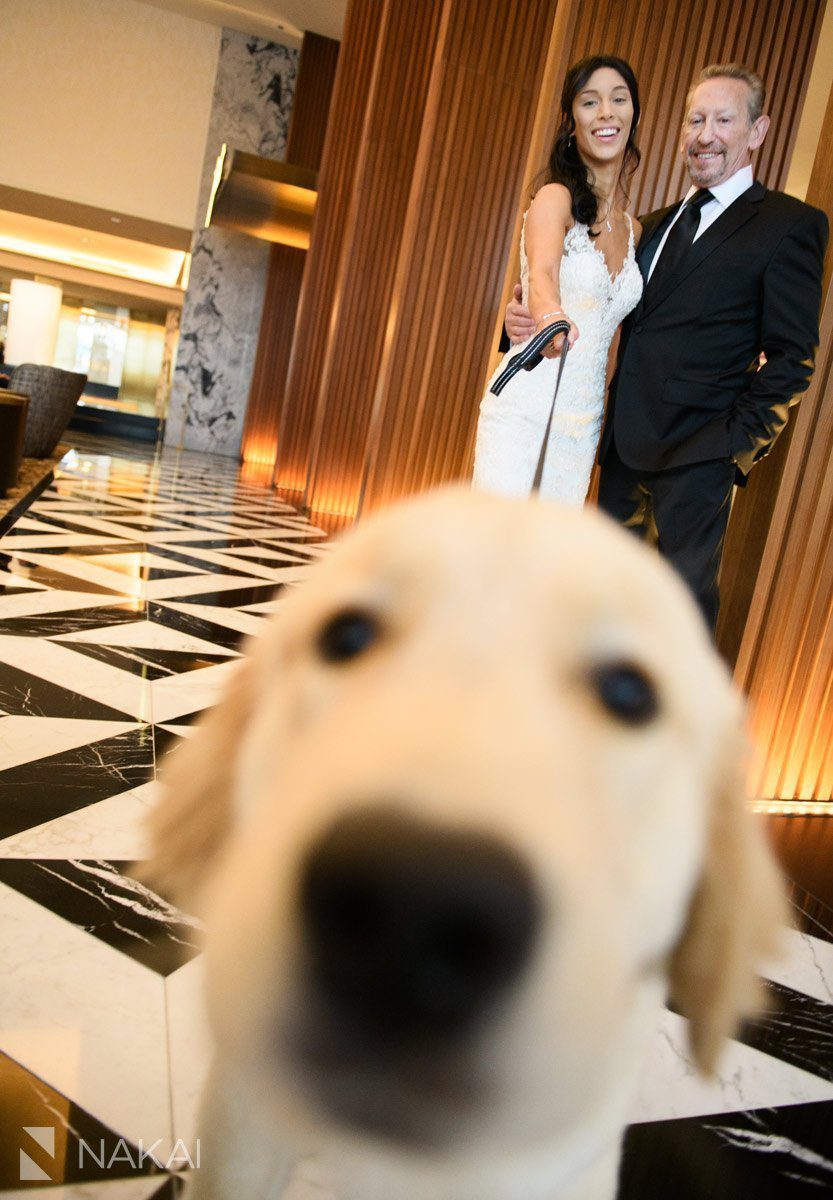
x: 470, y: 811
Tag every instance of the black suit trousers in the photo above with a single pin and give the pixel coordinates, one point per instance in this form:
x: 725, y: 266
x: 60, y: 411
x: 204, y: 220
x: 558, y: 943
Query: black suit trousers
x: 684, y: 510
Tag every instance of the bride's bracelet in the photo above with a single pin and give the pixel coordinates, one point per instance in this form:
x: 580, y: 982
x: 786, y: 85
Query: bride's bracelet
x: 557, y: 312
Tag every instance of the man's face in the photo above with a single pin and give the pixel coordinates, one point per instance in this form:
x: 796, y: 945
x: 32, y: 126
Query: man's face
x: 718, y: 138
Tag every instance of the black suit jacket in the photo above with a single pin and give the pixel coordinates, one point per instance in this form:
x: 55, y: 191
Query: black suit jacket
x: 687, y: 388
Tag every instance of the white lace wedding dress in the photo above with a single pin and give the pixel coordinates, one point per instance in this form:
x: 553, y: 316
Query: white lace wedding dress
x: 511, y: 426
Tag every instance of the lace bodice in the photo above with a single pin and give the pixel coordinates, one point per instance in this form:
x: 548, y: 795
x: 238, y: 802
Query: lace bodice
x: 588, y: 294
x: 511, y: 426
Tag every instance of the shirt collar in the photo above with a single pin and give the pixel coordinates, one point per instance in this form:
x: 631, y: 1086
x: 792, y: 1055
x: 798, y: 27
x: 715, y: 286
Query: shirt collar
x: 727, y: 191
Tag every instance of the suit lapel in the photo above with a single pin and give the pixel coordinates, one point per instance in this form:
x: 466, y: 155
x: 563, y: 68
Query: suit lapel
x: 728, y: 223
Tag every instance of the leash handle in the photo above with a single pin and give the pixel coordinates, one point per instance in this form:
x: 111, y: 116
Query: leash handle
x: 528, y: 359
x: 531, y: 355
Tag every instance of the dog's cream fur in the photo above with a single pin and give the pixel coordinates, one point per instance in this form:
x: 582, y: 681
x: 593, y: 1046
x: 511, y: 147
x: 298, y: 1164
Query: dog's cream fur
x: 476, y: 711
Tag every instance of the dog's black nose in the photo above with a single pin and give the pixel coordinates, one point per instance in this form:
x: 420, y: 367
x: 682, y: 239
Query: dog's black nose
x: 411, y: 929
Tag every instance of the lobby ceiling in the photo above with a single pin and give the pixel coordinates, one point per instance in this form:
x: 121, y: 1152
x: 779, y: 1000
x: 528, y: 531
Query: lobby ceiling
x: 280, y: 20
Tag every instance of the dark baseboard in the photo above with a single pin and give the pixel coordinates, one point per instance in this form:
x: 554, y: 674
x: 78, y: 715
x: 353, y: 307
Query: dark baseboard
x: 111, y: 423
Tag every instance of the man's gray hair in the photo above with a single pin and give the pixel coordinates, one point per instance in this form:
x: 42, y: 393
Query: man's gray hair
x: 757, y: 91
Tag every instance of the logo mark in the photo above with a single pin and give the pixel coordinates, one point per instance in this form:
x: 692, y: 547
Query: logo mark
x: 44, y: 1135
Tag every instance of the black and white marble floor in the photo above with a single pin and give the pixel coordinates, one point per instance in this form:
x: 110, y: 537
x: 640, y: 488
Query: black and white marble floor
x: 124, y: 594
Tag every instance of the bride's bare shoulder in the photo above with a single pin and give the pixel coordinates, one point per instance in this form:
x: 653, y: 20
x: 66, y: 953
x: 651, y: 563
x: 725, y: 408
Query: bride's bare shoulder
x: 553, y: 198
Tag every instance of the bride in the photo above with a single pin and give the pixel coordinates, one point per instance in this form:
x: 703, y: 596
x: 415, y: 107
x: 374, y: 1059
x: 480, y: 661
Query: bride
x: 577, y: 264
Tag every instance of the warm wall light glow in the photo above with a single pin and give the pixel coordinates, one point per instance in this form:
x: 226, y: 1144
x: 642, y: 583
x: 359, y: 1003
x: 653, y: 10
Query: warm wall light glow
x: 256, y: 472
x: 794, y: 808
x: 259, y: 450
x: 32, y: 330
x: 92, y: 262
x: 216, y: 181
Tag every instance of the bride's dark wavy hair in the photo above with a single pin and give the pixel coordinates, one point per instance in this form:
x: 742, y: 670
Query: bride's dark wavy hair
x: 565, y: 164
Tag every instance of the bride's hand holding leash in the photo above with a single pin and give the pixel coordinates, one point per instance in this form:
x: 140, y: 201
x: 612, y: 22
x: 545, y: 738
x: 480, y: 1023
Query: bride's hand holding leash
x: 553, y: 349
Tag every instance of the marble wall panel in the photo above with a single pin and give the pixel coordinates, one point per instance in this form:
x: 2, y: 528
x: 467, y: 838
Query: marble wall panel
x: 251, y: 108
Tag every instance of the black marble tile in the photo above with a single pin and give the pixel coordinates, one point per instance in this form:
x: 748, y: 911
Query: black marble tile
x: 11, y: 589
x: 110, y: 545
x: 25, y: 695
x: 185, y: 719
x: 212, y: 542
x: 195, y: 626
x: 165, y: 740
x: 16, y: 531
x: 798, y: 1029
x: 82, y: 1149
x: 97, y: 896
x: 290, y: 535
x: 288, y: 558
x: 767, y: 1154
x: 74, y: 620
x: 194, y: 559
x: 139, y: 660
x: 256, y: 593
x: 45, y: 788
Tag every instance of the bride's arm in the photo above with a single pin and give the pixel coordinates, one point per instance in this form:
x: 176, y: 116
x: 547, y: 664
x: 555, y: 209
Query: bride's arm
x: 547, y: 222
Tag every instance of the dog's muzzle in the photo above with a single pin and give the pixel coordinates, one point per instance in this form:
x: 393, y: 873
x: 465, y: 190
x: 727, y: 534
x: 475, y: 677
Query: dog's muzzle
x: 412, y: 931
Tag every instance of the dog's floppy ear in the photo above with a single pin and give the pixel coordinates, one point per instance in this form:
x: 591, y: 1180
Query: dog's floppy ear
x: 189, y: 825
x: 734, y: 920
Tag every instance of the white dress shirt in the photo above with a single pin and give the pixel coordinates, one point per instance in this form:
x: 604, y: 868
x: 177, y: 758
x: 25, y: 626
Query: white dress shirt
x: 723, y: 194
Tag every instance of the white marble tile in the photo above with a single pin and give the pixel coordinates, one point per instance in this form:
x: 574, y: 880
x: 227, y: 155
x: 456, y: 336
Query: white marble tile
x: 806, y: 965
x: 180, y: 694
x: 230, y: 562
x: 85, y: 1018
x: 146, y: 635
x: 23, y: 739
x: 88, y: 570
x: 745, y: 1079
x: 86, y: 676
x: 189, y: 1043
x: 232, y: 618
x: 53, y: 601
x: 112, y: 829
x: 9, y: 579
x: 196, y: 585
x: 27, y: 521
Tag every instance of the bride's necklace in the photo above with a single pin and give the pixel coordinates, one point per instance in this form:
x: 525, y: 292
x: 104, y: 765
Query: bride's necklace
x: 606, y: 218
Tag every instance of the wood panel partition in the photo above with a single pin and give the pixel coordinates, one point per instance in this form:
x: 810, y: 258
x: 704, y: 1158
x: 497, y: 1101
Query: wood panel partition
x: 786, y: 654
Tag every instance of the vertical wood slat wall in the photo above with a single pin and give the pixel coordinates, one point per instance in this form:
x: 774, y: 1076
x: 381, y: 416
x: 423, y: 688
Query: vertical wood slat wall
x: 364, y: 294
x: 418, y: 243
x: 668, y: 43
x: 338, y: 164
x: 456, y: 242
x: 307, y: 131
x: 786, y: 656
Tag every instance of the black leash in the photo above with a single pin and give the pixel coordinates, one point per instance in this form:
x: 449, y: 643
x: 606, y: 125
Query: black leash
x: 528, y: 358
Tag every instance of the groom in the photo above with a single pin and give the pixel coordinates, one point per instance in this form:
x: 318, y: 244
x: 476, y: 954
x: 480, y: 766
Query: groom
x: 721, y: 343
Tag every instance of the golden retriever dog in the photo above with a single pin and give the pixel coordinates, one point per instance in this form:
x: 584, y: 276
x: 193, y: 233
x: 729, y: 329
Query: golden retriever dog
x: 470, y: 811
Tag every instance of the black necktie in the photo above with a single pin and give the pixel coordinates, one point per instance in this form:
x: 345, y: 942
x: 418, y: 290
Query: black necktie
x: 679, y: 240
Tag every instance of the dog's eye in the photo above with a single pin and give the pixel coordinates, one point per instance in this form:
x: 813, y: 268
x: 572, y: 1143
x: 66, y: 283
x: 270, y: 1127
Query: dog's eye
x: 626, y: 692
x: 347, y: 635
